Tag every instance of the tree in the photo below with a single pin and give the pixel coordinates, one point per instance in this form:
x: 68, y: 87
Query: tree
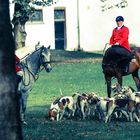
x: 22, y: 12
x: 109, y: 4
x: 10, y: 128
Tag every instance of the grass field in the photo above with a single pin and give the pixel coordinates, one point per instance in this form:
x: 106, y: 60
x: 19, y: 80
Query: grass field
x: 80, y: 73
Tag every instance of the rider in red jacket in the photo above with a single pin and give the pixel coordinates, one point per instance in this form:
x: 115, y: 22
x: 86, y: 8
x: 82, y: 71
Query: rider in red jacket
x: 19, y: 72
x: 17, y: 64
x: 120, y: 49
x: 120, y: 36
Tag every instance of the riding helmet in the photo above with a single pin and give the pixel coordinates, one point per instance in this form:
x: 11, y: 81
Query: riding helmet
x: 119, y: 18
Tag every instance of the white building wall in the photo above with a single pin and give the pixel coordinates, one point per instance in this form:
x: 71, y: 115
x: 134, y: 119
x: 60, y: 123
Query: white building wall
x: 96, y: 26
x: 43, y: 32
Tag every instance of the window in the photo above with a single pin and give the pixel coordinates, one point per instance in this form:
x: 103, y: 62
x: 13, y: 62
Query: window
x: 59, y: 14
x: 37, y: 16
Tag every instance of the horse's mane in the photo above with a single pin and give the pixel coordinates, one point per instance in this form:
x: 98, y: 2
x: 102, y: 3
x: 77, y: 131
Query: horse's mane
x: 35, y: 51
x: 29, y: 54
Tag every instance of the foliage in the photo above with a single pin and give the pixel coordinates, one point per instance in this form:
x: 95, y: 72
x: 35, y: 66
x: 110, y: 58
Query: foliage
x: 43, y: 2
x: 25, y: 8
x: 109, y: 4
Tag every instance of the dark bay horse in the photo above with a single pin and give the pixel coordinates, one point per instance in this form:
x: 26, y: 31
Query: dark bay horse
x: 112, y: 67
x: 31, y: 66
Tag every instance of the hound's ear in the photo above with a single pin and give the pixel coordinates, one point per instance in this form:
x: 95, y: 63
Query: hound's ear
x: 49, y: 46
x: 68, y: 100
x: 63, y: 102
x: 61, y: 105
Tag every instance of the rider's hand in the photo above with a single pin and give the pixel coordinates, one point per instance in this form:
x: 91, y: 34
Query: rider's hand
x: 109, y: 45
x: 116, y: 43
x: 133, y: 52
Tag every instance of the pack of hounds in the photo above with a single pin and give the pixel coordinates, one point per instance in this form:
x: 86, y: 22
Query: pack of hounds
x: 125, y: 102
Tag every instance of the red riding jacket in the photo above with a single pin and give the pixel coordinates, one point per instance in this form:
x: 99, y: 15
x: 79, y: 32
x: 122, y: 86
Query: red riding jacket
x: 120, y: 36
x: 17, y: 64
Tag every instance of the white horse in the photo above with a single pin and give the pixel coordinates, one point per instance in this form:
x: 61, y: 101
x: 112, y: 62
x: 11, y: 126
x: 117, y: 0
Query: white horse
x: 31, y: 66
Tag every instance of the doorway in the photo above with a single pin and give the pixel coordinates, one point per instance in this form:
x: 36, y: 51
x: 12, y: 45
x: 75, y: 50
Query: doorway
x: 60, y: 28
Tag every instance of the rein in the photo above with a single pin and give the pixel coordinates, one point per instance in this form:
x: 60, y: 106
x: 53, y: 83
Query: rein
x: 105, y: 48
x: 29, y: 75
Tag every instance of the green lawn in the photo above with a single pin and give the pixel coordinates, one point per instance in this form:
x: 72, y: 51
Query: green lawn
x: 72, y: 77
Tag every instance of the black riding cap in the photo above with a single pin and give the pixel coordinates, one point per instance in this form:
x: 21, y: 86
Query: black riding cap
x: 119, y: 18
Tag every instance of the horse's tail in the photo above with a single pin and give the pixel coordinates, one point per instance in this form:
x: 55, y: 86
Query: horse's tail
x: 137, y: 56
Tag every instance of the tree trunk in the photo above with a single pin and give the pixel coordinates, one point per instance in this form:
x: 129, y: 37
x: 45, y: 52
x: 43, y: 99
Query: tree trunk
x: 19, y: 25
x: 10, y: 128
x: 19, y: 35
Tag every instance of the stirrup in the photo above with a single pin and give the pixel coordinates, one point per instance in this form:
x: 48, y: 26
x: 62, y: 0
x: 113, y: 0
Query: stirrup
x: 24, y: 123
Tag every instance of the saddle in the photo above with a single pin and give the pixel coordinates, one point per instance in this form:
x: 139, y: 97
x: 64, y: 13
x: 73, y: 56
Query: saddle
x: 116, y: 59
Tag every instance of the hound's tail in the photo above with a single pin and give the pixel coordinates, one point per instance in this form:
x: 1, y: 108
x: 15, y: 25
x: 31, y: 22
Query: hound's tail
x: 76, y: 94
x: 61, y: 92
x: 132, y: 89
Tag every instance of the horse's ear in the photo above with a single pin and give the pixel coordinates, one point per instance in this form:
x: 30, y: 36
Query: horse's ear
x: 43, y: 46
x: 49, y: 46
x: 38, y: 43
x: 37, y: 46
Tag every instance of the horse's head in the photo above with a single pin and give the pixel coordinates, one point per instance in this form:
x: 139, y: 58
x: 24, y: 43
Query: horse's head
x: 46, y: 58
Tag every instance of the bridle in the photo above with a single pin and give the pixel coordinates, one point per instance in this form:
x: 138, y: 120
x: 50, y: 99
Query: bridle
x: 35, y: 76
x: 42, y: 62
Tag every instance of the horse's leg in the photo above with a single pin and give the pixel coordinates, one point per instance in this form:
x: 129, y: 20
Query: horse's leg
x: 23, y: 104
x: 136, y: 79
x: 119, y: 78
x: 108, y: 82
x: 20, y: 105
